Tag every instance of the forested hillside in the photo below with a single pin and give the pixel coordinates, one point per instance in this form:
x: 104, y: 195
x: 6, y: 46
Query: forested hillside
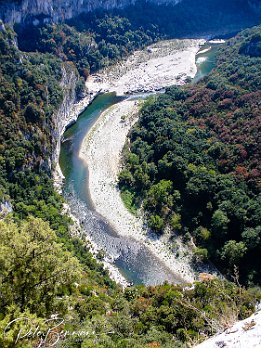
x: 44, y: 271
x: 31, y: 94
x: 194, y: 160
x: 97, y: 39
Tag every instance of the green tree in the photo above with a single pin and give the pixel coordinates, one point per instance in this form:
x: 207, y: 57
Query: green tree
x: 156, y: 223
x: 16, y: 324
x: 34, y: 267
x: 201, y: 254
x: 252, y: 237
x: 125, y: 178
x: 219, y: 222
x: 233, y: 252
x: 203, y: 234
x: 159, y: 195
x: 175, y: 222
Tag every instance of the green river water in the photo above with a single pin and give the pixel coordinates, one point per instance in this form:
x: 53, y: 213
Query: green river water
x: 133, y: 260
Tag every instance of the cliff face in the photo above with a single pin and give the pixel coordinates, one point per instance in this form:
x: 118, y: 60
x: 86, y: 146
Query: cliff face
x: 17, y: 11
x: 66, y: 115
x: 63, y: 117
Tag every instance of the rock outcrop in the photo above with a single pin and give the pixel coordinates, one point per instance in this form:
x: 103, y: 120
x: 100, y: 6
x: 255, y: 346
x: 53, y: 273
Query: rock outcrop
x: 17, y: 11
x: 5, y: 209
x: 244, y: 333
x: 67, y: 114
x: 64, y: 116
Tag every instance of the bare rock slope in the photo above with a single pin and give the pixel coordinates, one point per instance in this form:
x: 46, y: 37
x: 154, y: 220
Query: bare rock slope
x: 243, y: 334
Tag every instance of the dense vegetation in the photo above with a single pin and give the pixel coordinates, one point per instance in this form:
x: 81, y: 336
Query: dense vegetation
x: 97, y: 40
x: 39, y: 278
x: 29, y: 94
x: 194, y: 160
x: 43, y: 270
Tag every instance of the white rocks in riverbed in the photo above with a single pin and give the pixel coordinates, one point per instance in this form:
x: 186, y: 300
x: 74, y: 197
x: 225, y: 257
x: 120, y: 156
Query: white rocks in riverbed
x: 102, y: 150
x: 160, y: 65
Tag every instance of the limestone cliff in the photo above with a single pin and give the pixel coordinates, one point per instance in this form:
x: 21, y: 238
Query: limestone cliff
x: 64, y: 116
x: 17, y: 11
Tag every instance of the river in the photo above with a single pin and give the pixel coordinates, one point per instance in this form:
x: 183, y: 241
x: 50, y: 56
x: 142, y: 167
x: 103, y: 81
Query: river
x: 134, y: 261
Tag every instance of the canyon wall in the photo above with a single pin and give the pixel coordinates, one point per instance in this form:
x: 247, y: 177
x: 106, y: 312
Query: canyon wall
x: 17, y: 11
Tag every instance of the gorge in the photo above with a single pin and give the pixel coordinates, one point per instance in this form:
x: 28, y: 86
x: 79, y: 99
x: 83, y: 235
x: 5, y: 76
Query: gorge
x: 74, y: 169
x: 194, y: 143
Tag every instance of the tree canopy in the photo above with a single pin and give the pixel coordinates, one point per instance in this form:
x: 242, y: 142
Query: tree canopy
x: 195, y: 154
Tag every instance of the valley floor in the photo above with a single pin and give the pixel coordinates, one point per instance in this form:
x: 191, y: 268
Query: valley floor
x: 163, y: 64
x: 101, y: 149
x: 160, y: 65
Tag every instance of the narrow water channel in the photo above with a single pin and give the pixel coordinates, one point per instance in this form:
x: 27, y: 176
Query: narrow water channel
x: 206, y: 61
x: 135, y: 262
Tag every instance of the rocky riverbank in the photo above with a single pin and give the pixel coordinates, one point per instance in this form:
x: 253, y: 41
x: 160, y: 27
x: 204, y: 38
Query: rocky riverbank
x: 160, y: 65
x: 67, y: 114
x: 101, y: 149
x: 152, y: 69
